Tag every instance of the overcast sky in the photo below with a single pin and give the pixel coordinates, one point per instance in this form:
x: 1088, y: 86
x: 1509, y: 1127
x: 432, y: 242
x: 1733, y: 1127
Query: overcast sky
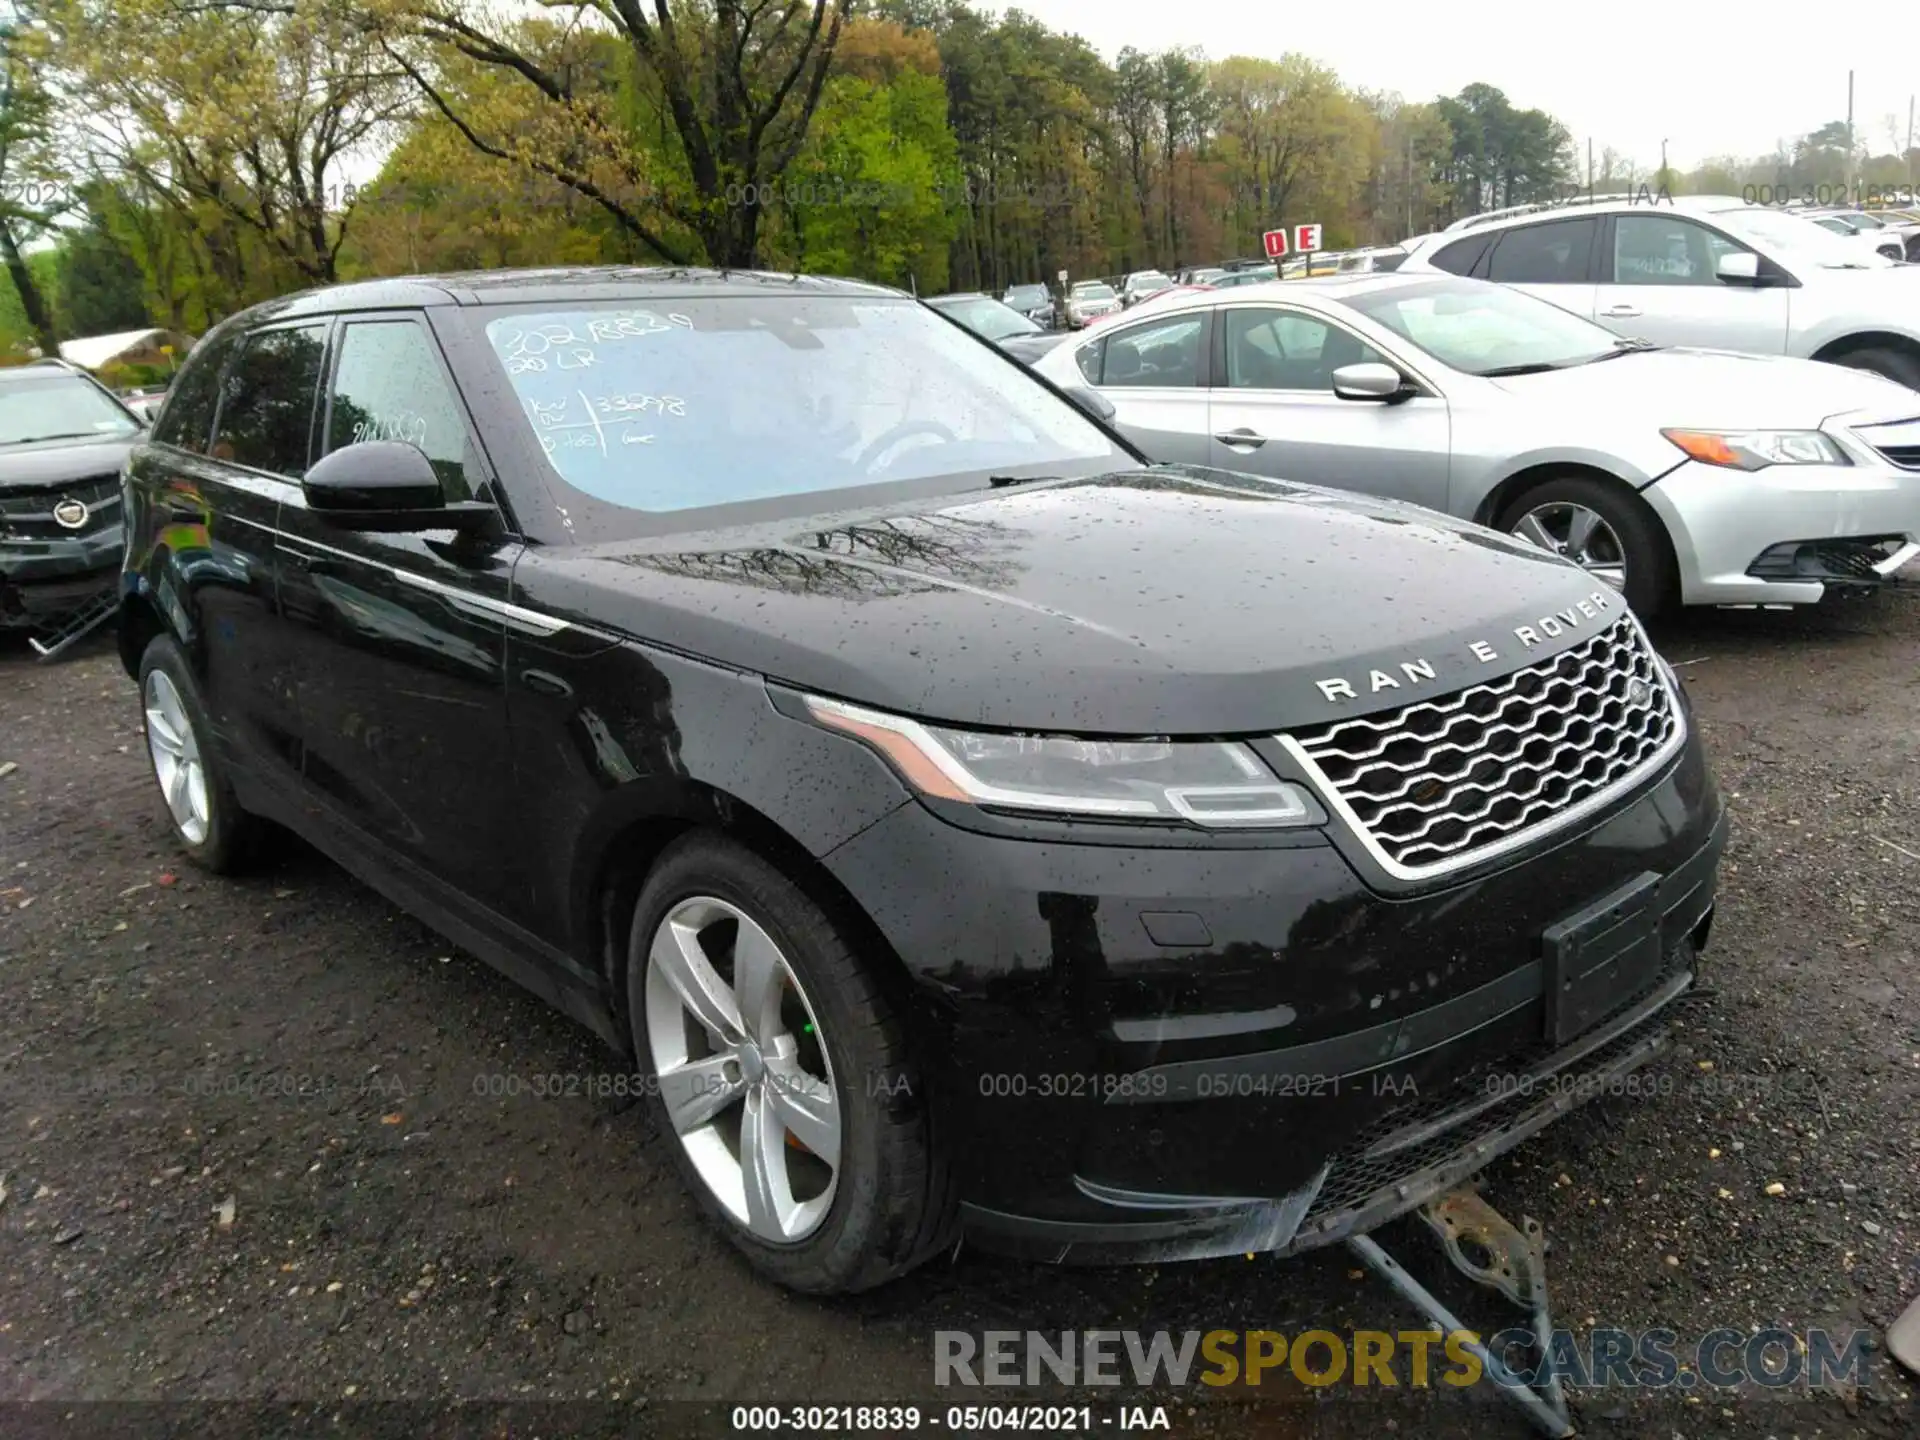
x: 1713, y: 78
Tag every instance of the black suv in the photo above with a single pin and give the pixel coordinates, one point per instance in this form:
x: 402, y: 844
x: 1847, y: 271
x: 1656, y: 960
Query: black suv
x: 64, y: 438
x: 963, y: 824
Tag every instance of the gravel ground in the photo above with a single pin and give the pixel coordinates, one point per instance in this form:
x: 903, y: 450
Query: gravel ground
x: 389, y: 1232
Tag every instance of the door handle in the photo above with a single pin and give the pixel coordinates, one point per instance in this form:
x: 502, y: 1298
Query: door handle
x: 1621, y: 312
x: 1251, y: 439
x: 302, y: 559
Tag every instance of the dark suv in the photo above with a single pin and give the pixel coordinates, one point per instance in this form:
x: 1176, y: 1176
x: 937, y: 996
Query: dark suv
x: 64, y: 438
x: 964, y: 824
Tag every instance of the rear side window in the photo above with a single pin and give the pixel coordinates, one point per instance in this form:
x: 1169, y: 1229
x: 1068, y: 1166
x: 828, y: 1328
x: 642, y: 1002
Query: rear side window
x: 187, y: 419
x: 266, y: 405
x: 1087, y: 357
x: 390, y: 386
x: 1162, y: 354
x: 1461, y: 256
x: 1552, y: 254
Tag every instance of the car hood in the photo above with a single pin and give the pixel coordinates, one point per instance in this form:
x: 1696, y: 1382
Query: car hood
x: 1169, y: 600
x: 1707, y: 389
x: 52, y: 463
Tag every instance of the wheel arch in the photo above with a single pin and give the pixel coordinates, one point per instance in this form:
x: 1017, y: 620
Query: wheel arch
x: 1869, y: 340
x: 626, y: 841
x: 1513, y: 486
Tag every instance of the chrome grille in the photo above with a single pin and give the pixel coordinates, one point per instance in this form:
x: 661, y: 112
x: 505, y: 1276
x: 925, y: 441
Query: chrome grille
x: 1442, y: 783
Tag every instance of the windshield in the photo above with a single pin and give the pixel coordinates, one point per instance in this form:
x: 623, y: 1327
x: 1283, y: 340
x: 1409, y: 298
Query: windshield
x: 987, y: 317
x: 1149, y: 281
x: 684, y: 405
x: 1030, y: 296
x: 1483, y: 329
x: 59, y: 407
x: 1093, y: 292
x: 1799, y: 234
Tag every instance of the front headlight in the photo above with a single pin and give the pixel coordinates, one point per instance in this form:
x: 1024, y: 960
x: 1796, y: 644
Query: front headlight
x: 1217, y: 784
x: 1757, y: 449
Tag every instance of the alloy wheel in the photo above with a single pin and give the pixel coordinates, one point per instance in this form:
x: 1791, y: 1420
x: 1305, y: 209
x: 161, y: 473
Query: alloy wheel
x: 1579, y: 534
x: 742, y: 1069
x: 176, y: 758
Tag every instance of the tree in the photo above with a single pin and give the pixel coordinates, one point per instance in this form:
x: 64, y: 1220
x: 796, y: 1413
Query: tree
x: 33, y: 191
x: 734, y: 82
x: 251, y: 107
x: 873, y: 191
x: 102, y: 288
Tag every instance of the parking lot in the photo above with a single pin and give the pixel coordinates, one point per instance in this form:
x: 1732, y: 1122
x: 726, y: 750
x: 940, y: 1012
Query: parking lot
x: 256, y: 1144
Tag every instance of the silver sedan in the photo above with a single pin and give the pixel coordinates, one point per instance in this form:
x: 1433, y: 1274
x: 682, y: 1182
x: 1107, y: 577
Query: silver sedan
x: 1676, y: 476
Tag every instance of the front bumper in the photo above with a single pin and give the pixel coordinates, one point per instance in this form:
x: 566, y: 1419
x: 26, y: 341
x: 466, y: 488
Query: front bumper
x: 1723, y: 522
x: 41, y: 580
x: 1343, y: 1041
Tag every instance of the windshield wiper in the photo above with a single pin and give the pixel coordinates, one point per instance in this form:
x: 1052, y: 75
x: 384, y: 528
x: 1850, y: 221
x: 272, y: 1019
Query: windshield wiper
x: 1631, y: 345
x: 1002, y: 481
x: 62, y: 435
x: 1536, y: 368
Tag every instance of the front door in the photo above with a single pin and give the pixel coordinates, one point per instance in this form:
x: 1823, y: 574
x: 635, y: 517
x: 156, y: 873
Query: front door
x: 1659, y: 283
x: 402, y: 696
x: 1276, y: 414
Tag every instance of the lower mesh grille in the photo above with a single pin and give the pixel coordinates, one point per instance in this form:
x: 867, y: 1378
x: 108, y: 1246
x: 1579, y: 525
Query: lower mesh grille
x: 1435, y: 784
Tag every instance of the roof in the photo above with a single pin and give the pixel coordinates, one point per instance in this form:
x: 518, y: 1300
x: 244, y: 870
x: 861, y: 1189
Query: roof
x: 1588, y: 204
x: 508, y: 287
x: 93, y: 351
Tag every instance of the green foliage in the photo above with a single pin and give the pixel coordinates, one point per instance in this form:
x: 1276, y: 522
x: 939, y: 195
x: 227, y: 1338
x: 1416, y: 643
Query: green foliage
x: 873, y: 191
x: 101, y: 288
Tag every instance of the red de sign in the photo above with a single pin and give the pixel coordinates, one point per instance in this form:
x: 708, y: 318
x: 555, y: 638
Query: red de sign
x: 1306, y: 239
x: 1276, y: 243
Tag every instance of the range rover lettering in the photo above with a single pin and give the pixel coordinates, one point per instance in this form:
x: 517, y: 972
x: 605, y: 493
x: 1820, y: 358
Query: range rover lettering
x: 970, y: 828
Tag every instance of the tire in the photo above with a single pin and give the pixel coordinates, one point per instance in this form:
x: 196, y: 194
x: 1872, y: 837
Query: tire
x: 214, y: 831
x: 1895, y: 365
x: 1651, y: 581
x: 883, y: 1208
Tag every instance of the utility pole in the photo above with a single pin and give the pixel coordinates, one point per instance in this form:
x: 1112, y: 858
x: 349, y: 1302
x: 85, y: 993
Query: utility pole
x: 1410, y: 176
x: 1589, y: 167
x: 1909, y: 155
x: 1849, y: 174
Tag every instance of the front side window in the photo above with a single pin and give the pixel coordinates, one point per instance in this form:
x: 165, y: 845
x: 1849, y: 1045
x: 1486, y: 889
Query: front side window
x: 60, y: 405
x: 664, y: 407
x: 1287, y: 350
x: 1551, y: 254
x: 266, y: 405
x: 1167, y: 352
x: 389, y: 386
x: 1667, y: 250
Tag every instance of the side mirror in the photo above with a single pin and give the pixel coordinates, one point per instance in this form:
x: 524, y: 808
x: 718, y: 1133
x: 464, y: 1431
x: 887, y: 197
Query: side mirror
x: 1742, y: 267
x: 1092, y: 401
x: 1369, y: 380
x: 383, y: 485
